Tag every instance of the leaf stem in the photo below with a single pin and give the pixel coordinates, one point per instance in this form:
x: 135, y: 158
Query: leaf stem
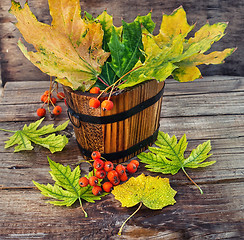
x: 100, y: 79
x: 112, y: 85
x: 83, y: 208
x: 201, y: 191
x: 121, y: 228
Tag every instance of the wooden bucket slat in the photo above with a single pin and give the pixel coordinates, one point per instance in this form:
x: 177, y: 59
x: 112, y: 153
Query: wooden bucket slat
x: 117, y: 136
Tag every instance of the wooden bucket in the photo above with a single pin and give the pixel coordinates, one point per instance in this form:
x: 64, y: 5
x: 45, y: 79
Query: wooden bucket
x: 125, y: 131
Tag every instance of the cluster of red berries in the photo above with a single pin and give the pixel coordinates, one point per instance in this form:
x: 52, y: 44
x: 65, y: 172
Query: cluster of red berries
x: 106, y: 105
x: 48, y: 98
x: 111, y: 176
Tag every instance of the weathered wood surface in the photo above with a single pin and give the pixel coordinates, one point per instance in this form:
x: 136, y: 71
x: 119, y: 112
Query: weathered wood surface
x: 16, y: 67
x: 211, y: 108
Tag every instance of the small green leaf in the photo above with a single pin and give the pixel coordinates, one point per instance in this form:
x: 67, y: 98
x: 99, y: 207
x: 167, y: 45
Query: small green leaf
x: 168, y: 157
x: 23, y: 138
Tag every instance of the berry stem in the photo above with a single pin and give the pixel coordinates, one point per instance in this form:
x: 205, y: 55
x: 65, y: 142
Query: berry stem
x: 201, y: 191
x: 112, y: 85
x: 121, y: 228
x: 83, y: 208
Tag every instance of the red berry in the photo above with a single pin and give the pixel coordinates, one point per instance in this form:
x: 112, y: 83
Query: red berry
x: 46, y: 93
x: 83, y: 182
x: 94, y: 103
x: 107, y: 186
x: 60, y: 95
x: 65, y: 102
x: 107, y: 105
x: 116, y: 181
x: 131, y: 167
x: 54, y: 100
x: 41, y: 112
x: 120, y: 169
x: 101, y: 174
x: 112, y: 175
x: 93, y: 181
x: 96, y: 190
x: 135, y: 162
x: 43, y: 98
x: 95, y: 155
x: 98, y: 164
x: 123, y: 177
x: 108, y: 166
x: 95, y: 90
x: 57, y: 110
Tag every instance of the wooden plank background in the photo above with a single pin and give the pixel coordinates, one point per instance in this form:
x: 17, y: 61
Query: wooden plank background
x: 209, y: 108
x: 16, y: 68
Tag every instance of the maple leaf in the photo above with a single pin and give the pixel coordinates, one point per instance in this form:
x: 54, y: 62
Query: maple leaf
x: 154, y: 192
x: 70, y: 49
x: 23, y: 138
x: 66, y: 189
x: 169, y: 157
x: 170, y: 53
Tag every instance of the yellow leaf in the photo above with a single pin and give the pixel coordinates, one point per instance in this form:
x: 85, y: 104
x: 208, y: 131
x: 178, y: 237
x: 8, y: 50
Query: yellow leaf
x: 186, y: 74
x: 153, y: 192
x: 214, y: 32
x: 212, y: 58
x: 70, y: 48
x: 172, y: 26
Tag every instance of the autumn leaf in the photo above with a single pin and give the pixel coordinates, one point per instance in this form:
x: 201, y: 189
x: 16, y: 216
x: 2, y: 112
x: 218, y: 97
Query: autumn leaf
x: 154, y: 192
x: 168, y: 157
x: 28, y: 134
x: 170, y: 53
x: 70, y: 49
x: 66, y: 189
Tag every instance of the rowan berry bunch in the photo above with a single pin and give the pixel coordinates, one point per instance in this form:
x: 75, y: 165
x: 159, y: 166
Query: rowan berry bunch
x: 106, y: 105
x: 106, y: 171
x: 49, y: 99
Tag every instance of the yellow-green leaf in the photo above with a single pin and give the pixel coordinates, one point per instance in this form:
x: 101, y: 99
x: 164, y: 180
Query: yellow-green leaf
x: 23, y: 138
x: 172, y: 26
x: 186, y: 74
x: 71, y: 48
x: 153, y: 192
x: 168, y: 157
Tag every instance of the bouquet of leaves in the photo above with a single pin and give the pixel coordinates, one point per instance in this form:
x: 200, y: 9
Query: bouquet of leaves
x: 86, y: 51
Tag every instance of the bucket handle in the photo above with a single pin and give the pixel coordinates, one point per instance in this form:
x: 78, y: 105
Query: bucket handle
x: 71, y: 120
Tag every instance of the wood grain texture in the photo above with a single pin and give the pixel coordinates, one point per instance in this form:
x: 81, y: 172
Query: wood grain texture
x: 211, y: 108
x: 15, y: 67
x: 114, y: 137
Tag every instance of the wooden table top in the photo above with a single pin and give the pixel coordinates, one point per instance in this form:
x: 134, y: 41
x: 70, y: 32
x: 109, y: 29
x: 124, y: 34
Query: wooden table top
x: 208, y: 109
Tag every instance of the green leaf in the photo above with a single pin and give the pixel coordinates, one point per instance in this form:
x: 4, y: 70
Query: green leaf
x: 23, y: 138
x: 147, y: 22
x: 126, y: 53
x: 170, y: 53
x: 106, y: 21
x: 168, y: 157
x: 66, y: 189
